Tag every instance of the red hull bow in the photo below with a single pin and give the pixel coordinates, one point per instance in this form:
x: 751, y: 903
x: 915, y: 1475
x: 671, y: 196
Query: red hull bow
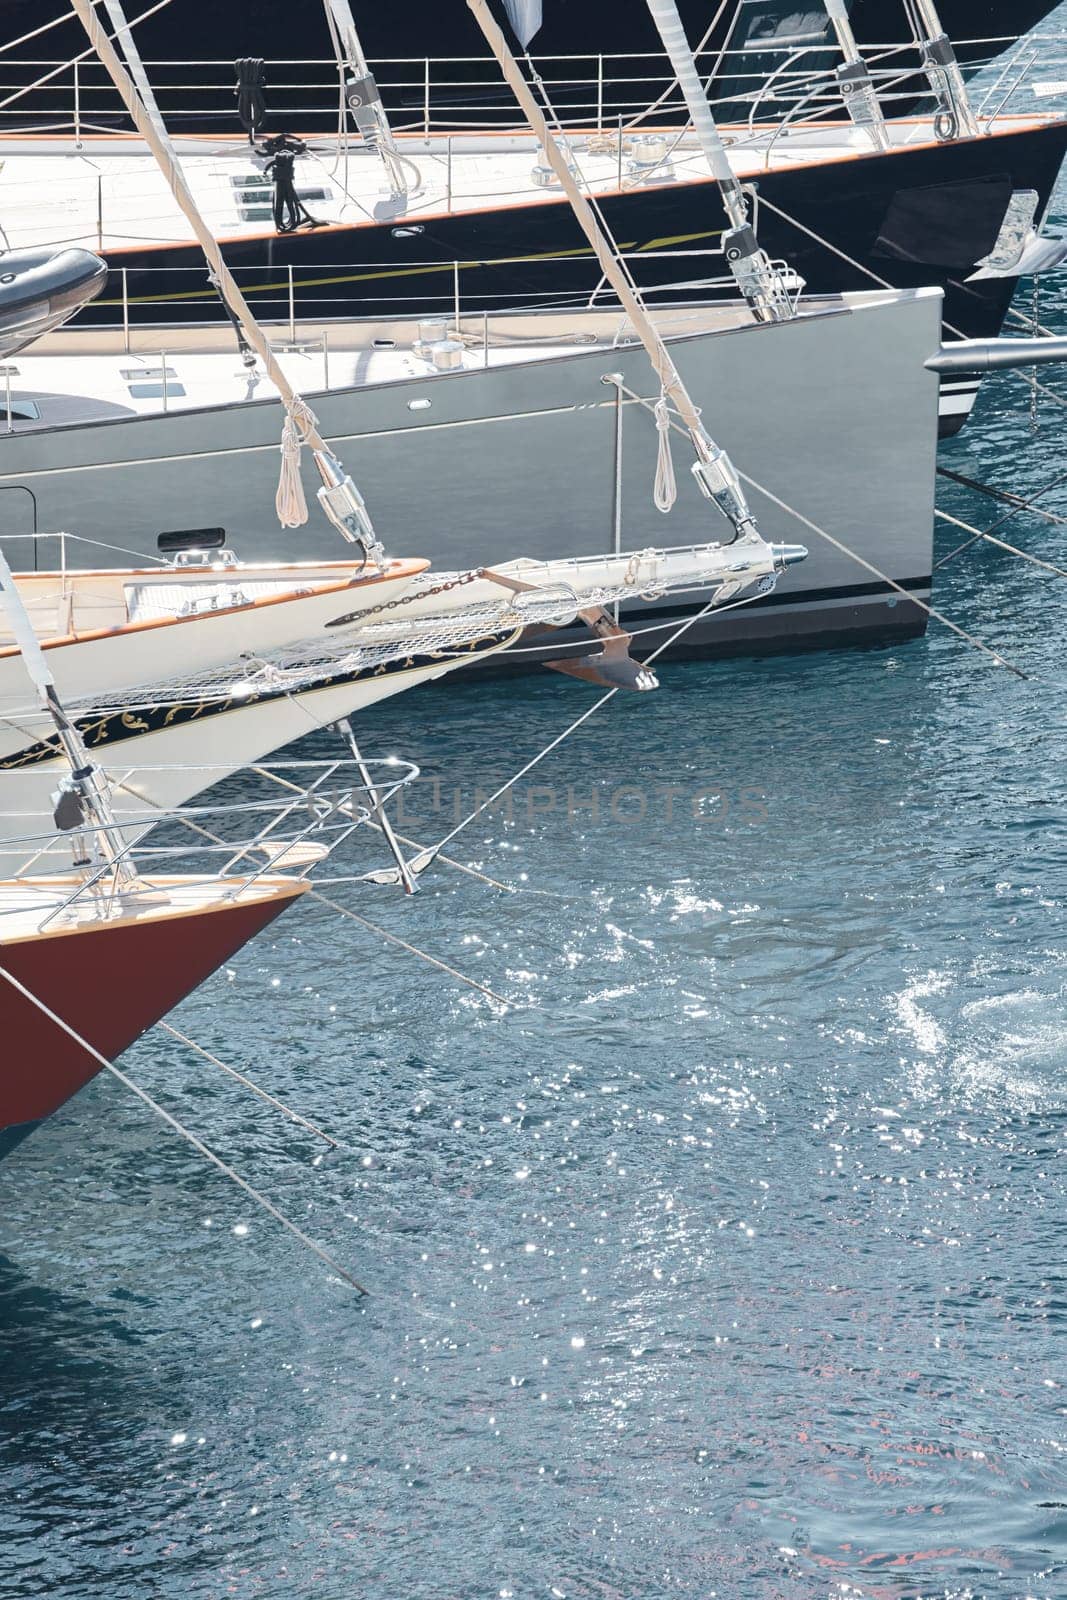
x: 109, y: 981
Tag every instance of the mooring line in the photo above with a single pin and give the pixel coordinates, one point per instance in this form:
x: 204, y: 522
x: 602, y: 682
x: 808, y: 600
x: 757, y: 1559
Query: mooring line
x: 232, y: 1072
x: 1053, y: 483
x: 869, y: 567
x: 198, y: 1144
x: 1002, y: 544
x: 590, y: 711
x: 314, y: 893
x: 472, y: 983
x: 923, y: 605
x: 1019, y: 501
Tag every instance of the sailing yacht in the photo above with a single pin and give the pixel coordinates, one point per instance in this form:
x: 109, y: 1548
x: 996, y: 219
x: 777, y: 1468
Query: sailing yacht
x: 833, y: 411
x: 61, y: 947
x: 475, y: 223
x: 516, y: 436
x: 186, y: 684
x: 64, y: 938
x: 209, y: 665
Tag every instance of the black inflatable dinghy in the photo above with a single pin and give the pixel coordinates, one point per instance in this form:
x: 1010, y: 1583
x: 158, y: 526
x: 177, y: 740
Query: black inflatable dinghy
x: 40, y: 289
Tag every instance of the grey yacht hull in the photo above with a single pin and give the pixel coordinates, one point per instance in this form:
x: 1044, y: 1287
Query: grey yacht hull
x: 832, y: 419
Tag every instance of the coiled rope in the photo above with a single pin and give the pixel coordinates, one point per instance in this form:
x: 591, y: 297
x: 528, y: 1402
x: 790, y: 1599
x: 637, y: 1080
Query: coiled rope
x: 665, y: 488
x: 251, y: 99
x: 290, y: 502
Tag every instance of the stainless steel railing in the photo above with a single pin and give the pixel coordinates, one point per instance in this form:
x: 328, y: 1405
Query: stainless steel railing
x: 425, y: 95
x: 299, y: 325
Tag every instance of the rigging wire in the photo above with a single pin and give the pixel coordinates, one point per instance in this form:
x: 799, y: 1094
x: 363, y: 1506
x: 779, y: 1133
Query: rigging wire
x: 46, y: 27
x: 84, y: 55
x: 573, y: 727
x: 636, y: 121
x: 883, y: 283
x: 931, y: 611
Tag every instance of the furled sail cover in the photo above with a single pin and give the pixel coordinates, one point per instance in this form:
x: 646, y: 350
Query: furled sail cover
x: 525, y: 18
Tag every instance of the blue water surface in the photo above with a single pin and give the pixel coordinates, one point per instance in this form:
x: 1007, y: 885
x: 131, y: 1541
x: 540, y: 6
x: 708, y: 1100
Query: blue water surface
x: 727, y: 1261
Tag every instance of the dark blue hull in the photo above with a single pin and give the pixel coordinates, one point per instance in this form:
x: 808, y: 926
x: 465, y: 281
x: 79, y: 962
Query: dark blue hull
x: 917, y: 217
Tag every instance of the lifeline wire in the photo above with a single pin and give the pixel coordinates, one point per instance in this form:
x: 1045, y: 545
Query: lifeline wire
x: 321, y: 727
x: 198, y: 1144
x: 392, y: 938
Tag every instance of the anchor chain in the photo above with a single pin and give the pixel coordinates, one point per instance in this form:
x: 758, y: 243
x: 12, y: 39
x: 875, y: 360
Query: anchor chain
x: 457, y: 582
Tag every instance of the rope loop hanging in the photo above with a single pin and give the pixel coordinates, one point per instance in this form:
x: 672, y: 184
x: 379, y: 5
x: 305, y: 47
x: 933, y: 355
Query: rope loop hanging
x: 665, y: 491
x: 250, y: 96
x: 290, y: 502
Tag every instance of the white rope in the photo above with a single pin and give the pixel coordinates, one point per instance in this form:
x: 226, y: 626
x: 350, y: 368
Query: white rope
x: 665, y: 490
x: 290, y: 502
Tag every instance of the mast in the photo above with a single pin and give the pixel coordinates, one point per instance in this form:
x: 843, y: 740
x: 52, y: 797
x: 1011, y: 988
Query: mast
x: 714, y: 471
x: 89, y: 796
x: 364, y: 99
x: 854, y: 79
x: 955, y: 116
x: 756, y: 278
x: 339, y: 497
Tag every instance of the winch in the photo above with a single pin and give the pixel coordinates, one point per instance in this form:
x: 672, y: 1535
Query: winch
x: 650, y: 157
